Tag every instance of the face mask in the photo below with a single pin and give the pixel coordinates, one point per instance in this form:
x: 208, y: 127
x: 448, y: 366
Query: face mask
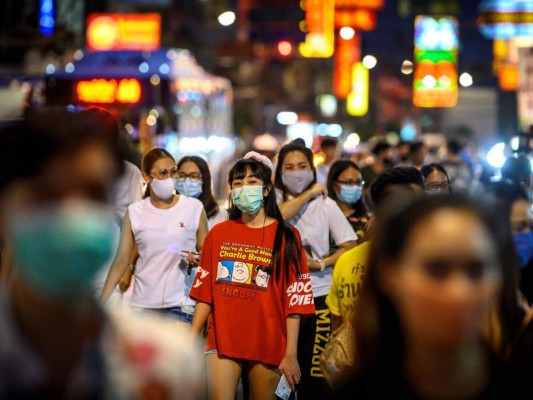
x: 350, y: 194
x: 438, y: 192
x: 163, y: 188
x: 248, y: 199
x: 524, y: 246
x: 190, y: 188
x: 60, y: 250
x: 297, y: 181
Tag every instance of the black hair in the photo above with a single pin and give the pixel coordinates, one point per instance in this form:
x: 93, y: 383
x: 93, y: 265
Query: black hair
x: 517, y: 168
x: 328, y: 142
x: 415, y: 146
x: 288, y: 148
x: 206, y: 197
x: 379, y: 334
x: 454, y: 146
x: 397, y: 176
x: 337, y: 168
x: 380, y: 147
x: 285, y: 233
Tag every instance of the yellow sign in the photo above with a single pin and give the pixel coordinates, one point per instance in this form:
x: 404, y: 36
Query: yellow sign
x: 123, y: 32
x: 320, y: 18
x: 357, y: 101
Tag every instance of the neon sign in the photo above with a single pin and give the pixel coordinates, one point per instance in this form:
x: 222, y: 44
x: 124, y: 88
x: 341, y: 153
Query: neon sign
x: 435, y: 75
x: 123, y: 32
x: 320, y: 18
x: 109, y: 91
x: 357, y: 101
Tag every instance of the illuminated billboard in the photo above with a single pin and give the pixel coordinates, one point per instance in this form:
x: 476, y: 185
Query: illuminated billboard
x: 435, y: 81
x: 123, y: 31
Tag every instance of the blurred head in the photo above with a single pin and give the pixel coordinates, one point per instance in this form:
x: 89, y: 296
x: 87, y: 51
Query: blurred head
x: 454, y: 147
x: 517, y: 168
x: 397, y: 181
x: 250, y: 185
x: 295, y: 171
x: 329, y: 148
x: 160, y: 173
x: 436, y: 180
x: 57, y: 175
x: 345, y: 183
x: 402, y: 149
x: 383, y: 152
x: 435, y: 267
x: 418, y: 152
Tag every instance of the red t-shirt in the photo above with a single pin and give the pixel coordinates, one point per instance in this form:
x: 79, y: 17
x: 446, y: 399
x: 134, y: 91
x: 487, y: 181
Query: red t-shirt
x: 249, y: 307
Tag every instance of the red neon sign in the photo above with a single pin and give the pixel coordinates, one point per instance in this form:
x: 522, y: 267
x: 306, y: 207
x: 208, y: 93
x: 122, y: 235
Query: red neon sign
x: 109, y: 91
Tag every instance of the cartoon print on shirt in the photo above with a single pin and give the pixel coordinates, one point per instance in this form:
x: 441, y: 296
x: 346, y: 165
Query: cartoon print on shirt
x: 262, y: 276
x: 241, y: 272
x: 223, y: 271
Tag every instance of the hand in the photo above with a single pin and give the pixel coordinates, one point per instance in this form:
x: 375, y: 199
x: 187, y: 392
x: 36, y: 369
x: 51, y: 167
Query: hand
x: 192, y: 259
x: 318, y: 189
x: 289, y: 366
x: 125, y: 281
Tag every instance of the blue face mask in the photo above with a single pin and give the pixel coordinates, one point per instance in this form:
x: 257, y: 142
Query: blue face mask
x: 188, y: 187
x: 60, y: 250
x: 248, y: 199
x: 524, y: 246
x: 350, y: 194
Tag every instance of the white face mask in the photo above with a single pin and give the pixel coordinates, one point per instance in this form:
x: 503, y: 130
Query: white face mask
x: 163, y: 188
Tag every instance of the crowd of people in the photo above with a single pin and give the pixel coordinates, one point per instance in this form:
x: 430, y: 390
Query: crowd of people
x: 432, y: 270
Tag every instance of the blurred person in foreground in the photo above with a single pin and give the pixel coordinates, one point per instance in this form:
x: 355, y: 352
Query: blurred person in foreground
x: 57, y: 341
x: 436, y: 265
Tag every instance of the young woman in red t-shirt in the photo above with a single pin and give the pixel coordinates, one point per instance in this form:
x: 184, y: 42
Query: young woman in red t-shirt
x: 253, y: 295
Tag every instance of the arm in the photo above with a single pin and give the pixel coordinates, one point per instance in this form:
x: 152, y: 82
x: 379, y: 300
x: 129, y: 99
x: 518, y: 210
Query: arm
x: 125, y: 281
x: 6, y: 263
x: 120, y: 263
x: 201, y: 233
x: 289, y: 365
x: 201, y: 313
x: 290, y: 208
x: 329, y: 261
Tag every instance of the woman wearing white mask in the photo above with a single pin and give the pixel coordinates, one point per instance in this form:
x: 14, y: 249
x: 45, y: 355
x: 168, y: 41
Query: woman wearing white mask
x: 345, y: 186
x: 253, y: 295
x: 319, y: 219
x: 163, y: 225
x: 194, y: 180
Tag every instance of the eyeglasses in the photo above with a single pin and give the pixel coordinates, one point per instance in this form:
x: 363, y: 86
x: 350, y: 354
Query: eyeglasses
x: 165, y: 173
x: 352, y: 183
x: 193, y: 176
x: 434, y: 186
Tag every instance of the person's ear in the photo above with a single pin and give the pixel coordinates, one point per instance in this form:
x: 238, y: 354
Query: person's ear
x: 266, y: 190
x: 147, y: 178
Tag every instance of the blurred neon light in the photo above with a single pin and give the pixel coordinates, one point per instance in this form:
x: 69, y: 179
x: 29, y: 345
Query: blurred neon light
x: 109, y: 91
x: 123, y: 31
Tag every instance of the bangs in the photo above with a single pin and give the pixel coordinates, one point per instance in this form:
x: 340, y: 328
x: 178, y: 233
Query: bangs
x: 241, y: 167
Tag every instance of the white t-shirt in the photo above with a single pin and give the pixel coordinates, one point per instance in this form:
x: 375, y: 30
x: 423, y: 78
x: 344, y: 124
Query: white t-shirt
x: 322, y: 172
x: 161, y: 276
x: 316, y: 221
x: 221, y: 215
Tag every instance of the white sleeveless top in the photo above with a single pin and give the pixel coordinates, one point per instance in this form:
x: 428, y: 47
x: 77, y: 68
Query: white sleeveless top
x: 161, y: 276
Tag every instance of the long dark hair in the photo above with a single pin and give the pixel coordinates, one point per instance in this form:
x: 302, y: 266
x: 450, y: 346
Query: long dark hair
x: 378, y: 329
x: 285, y: 233
x: 337, y: 168
x: 288, y: 148
x: 148, y: 161
x: 206, y: 197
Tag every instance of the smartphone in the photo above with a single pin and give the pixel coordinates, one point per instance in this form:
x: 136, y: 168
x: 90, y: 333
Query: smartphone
x: 283, y: 390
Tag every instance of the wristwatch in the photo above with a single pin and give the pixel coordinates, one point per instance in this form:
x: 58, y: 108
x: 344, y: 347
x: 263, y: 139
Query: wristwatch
x: 322, y: 265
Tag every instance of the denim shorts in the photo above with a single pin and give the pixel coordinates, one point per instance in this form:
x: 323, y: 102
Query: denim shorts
x: 179, y: 314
